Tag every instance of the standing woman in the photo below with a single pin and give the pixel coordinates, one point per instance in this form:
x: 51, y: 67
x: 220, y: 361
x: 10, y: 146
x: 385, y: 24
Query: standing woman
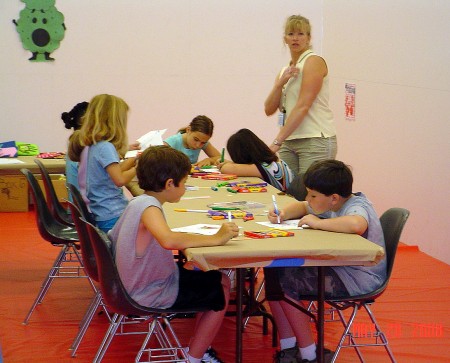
x: 307, y: 130
x: 99, y: 146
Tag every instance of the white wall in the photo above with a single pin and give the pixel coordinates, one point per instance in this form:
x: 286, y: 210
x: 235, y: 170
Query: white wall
x: 397, y: 54
x: 171, y: 60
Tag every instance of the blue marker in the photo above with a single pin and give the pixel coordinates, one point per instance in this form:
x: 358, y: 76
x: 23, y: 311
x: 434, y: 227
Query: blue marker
x: 275, y: 207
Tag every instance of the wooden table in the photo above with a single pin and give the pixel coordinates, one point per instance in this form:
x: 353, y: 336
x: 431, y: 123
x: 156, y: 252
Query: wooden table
x: 307, y: 247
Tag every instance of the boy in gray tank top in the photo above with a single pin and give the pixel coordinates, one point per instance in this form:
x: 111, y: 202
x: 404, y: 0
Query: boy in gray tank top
x: 143, y: 244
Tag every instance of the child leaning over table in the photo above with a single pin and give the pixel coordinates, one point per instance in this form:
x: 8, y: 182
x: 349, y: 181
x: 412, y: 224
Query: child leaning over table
x: 143, y: 244
x: 331, y: 206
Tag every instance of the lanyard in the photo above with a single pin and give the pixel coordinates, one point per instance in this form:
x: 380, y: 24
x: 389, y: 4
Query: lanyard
x: 284, y: 91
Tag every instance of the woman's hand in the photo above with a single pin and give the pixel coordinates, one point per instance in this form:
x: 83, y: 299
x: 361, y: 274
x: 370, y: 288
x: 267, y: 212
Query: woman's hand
x: 289, y: 72
x: 274, y: 148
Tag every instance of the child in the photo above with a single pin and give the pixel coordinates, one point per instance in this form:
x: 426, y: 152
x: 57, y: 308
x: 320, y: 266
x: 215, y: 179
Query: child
x: 99, y: 145
x: 331, y: 206
x: 252, y: 157
x: 72, y: 119
x: 195, y: 138
x: 143, y: 242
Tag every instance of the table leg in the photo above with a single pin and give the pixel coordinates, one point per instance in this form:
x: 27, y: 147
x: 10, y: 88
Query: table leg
x: 239, y: 296
x: 320, y: 313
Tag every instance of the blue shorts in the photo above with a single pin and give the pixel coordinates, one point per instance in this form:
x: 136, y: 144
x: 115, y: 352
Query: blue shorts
x: 105, y: 226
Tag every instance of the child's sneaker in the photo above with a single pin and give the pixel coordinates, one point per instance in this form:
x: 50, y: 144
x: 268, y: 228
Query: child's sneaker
x: 210, y: 356
x: 290, y: 355
x: 327, y: 355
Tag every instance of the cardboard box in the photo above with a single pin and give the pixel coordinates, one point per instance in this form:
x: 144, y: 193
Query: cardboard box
x: 59, y: 183
x: 13, y: 193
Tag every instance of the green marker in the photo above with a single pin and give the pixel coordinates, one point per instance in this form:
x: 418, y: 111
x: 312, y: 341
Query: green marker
x: 222, y: 157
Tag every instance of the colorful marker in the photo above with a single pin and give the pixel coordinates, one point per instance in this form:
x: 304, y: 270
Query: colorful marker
x: 275, y: 207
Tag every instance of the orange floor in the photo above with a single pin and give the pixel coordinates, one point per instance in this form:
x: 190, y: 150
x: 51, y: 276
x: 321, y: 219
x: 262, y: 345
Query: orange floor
x: 414, y: 310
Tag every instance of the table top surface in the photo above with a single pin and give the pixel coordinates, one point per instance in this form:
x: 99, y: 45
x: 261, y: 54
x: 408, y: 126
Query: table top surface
x: 310, y: 247
x: 12, y: 166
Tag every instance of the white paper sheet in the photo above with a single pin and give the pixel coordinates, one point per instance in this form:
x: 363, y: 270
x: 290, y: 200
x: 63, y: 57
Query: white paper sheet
x: 290, y: 224
x: 151, y: 138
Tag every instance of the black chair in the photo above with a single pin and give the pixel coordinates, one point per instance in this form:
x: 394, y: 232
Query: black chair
x: 90, y: 266
x: 68, y: 263
x: 80, y: 203
x: 122, y: 305
x: 392, y: 223
x: 56, y: 208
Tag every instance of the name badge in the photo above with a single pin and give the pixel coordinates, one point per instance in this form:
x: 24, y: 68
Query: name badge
x: 281, y: 118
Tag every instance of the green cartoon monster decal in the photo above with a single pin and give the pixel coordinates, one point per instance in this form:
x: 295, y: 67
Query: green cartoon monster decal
x: 41, y: 28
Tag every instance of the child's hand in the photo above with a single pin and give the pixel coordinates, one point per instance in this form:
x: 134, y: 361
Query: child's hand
x: 273, y: 217
x: 311, y: 220
x: 227, y: 231
x: 134, y: 146
x: 205, y: 162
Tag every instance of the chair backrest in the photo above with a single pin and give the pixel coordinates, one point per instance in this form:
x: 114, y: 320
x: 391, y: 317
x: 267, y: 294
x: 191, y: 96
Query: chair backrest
x: 113, y: 291
x: 80, y: 203
x: 56, y: 209
x: 48, y: 226
x: 87, y: 251
x: 392, y: 222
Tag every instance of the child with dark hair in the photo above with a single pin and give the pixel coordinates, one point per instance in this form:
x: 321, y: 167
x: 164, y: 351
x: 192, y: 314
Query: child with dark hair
x: 331, y: 206
x: 192, y: 139
x: 73, y: 120
x: 252, y: 157
x: 143, y: 244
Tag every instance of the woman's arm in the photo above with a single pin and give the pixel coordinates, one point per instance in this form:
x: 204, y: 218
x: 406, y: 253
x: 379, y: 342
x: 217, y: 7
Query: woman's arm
x: 156, y: 224
x: 239, y: 169
x: 314, y: 71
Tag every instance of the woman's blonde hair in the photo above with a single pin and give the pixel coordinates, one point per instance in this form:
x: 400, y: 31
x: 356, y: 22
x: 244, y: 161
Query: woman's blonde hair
x: 297, y: 23
x: 105, y: 120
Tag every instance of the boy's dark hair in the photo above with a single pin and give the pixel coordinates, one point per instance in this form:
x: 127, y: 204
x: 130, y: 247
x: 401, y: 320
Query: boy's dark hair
x: 72, y: 119
x: 245, y: 147
x: 329, y: 177
x: 157, y: 164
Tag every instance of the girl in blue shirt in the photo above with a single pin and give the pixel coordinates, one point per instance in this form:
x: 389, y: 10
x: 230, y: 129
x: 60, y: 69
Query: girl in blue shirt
x: 191, y: 140
x: 99, y: 146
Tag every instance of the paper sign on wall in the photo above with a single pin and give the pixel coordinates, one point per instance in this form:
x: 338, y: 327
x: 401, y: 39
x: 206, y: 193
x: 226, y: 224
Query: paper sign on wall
x: 350, y: 102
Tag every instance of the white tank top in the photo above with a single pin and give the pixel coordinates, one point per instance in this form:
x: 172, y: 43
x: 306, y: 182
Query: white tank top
x: 319, y: 119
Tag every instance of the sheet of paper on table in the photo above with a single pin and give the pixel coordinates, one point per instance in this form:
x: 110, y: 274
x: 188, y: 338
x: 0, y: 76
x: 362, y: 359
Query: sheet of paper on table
x: 5, y: 161
x: 201, y: 228
x: 206, y: 229
x: 290, y: 224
